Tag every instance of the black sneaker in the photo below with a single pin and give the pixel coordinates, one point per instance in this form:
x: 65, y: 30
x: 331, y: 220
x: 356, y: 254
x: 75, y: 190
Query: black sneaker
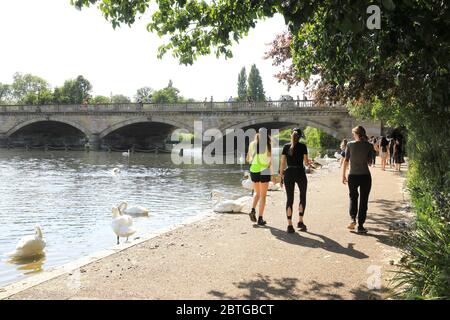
x: 301, y: 226
x: 252, y: 215
x: 361, y: 230
x: 290, y: 229
x: 261, y: 221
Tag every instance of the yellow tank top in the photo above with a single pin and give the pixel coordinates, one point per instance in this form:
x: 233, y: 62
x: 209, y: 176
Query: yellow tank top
x: 260, y: 161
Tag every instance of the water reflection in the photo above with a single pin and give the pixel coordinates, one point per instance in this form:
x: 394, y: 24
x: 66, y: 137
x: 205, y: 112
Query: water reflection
x: 27, y: 266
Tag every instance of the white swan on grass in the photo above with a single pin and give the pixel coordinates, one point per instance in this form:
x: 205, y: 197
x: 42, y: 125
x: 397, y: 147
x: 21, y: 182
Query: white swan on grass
x: 122, y: 224
x: 134, y: 210
x: 228, y: 206
x: 30, y: 246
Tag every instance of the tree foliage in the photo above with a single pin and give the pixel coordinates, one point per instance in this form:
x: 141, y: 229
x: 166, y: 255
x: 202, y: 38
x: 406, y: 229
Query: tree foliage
x: 255, y: 89
x: 30, y: 89
x: 120, y: 98
x: 242, y: 85
x: 169, y: 94
x: 144, y: 95
x: 5, y: 93
x: 73, y: 91
x: 100, y: 99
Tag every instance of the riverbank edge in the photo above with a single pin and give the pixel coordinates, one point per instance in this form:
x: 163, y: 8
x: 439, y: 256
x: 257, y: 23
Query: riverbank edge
x: 54, y: 272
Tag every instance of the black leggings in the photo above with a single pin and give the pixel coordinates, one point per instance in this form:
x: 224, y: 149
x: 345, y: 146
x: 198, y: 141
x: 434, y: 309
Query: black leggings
x: 291, y: 177
x: 364, y: 183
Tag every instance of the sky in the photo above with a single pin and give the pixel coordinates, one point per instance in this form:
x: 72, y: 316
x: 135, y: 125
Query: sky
x: 53, y: 40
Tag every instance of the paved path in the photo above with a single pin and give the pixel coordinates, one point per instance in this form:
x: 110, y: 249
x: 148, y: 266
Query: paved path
x: 227, y: 257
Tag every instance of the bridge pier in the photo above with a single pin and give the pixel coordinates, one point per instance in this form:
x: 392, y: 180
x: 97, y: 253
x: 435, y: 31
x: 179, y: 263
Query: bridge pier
x: 3, y: 140
x: 94, y: 142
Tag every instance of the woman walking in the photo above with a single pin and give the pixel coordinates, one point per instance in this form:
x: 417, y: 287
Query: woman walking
x: 398, y: 154
x: 391, y: 153
x: 359, y: 153
x: 292, y: 171
x: 261, y: 171
x: 384, y: 151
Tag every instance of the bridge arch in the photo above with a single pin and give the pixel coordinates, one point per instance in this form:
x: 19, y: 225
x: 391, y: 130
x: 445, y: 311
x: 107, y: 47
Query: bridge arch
x: 24, y: 124
x: 294, y: 121
x: 124, y: 123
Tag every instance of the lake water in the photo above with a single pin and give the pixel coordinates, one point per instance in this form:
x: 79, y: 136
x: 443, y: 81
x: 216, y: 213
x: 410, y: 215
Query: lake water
x: 70, y: 195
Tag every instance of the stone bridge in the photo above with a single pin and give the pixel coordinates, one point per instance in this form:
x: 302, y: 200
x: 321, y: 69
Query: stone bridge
x: 149, y: 124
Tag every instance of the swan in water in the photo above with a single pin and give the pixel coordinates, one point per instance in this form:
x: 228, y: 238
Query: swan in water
x: 122, y: 224
x: 126, y: 154
x: 115, y: 171
x: 134, y: 210
x: 30, y: 246
x: 228, y: 206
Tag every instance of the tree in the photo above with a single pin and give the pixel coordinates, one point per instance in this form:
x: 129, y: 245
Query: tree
x: 144, y: 95
x: 74, y: 91
x: 242, y: 85
x: 30, y: 89
x: 169, y: 94
x: 120, y: 98
x: 5, y: 93
x: 255, y: 85
x: 100, y: 100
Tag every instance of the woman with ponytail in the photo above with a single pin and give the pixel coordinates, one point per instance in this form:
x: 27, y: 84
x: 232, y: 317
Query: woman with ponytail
x: 261, y: 171
x: 359, y: 153
x: 292, y: 171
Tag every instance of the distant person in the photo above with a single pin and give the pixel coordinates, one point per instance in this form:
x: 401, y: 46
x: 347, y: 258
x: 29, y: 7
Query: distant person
x: 260, y: 157
x: 374, y: 142
x: 358, y: 154
x: 343, y: 146
x: 384, y: 152
x: 391, y: 152
x: 398, y: 154
x: 292, y: 171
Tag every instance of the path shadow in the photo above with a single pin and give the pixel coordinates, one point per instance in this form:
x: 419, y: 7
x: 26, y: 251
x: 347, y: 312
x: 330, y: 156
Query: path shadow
x: 263, y: 287
x: 326, y: 243
x: 379, y: 224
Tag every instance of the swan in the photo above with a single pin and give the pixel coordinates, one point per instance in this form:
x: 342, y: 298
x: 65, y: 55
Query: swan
x: 274, y: 186
x: 126, y: 154
x: 115, y: 171
x: 247, y: 182
x: 30, y: 246
x: 134, y: 211
x: 122, y: 224
x: 337, y: 155
x: 227, y: 206
x: 323, y: 161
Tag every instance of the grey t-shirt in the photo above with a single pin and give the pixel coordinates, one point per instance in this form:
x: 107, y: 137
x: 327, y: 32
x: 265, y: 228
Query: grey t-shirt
x: 359, y: 153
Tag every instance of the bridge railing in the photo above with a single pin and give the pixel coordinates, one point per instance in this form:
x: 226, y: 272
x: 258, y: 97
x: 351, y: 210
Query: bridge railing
x: 206, y: 106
